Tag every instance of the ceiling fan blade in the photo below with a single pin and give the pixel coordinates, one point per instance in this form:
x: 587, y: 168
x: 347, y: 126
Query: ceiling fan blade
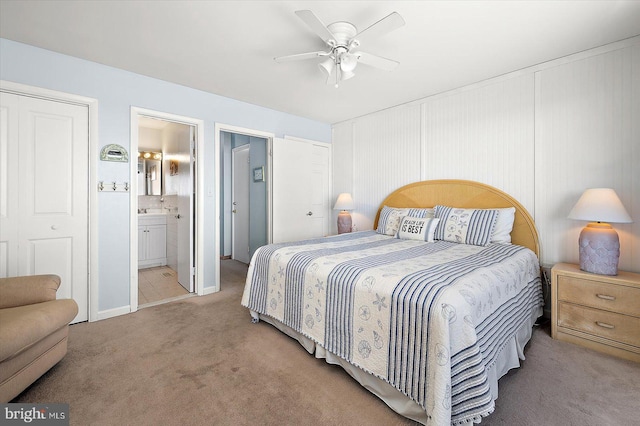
x: 315, y: 24
x: 385, y: 25
x: 300, y: 56
x: 376, y: 61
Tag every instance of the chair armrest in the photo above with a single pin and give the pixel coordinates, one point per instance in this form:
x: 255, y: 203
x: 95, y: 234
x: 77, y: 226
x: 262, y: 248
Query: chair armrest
x: 20, y: 291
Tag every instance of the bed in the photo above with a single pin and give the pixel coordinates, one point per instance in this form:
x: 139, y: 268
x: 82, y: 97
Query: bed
x: 427, y: 311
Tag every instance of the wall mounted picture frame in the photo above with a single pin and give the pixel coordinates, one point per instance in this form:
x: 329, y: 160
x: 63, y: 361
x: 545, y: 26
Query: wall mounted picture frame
x: 173, y: 167
x: 258, y: 174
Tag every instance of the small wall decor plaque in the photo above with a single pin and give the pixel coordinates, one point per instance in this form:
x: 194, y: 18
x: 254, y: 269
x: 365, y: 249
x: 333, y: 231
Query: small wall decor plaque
x: 258, y: 174
x: 114, y: 152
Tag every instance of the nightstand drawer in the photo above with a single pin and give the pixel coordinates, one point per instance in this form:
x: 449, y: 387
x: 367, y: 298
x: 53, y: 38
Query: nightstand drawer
x: 609, y: 325
x: 612, y: 297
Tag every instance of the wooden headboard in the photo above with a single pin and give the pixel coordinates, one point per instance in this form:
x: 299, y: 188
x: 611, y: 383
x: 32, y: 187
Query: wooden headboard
x: 466, y: 194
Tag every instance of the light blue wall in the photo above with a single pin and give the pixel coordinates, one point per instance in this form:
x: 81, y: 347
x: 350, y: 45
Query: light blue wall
x: 117, y: 91
x: 257, y: 195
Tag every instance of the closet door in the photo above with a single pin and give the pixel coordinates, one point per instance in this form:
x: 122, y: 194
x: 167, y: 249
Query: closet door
x: 9, y: 212
x: 300, y: 190
x: 44, y: 199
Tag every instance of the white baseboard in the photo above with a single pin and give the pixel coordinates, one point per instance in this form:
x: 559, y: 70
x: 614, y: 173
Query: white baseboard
x: 110, y: 313
x: 209, y: 290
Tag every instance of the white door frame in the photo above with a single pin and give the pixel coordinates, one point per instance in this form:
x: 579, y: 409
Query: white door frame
x: 220, y: 127
x: 92, y: 105
x: 199, y: 228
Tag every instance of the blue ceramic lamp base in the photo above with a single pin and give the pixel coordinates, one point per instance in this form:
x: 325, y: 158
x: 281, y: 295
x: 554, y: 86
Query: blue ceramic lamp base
x: 344, y: 222
x: 599, y: 249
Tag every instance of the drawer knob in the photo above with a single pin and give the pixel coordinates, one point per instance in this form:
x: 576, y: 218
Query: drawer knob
x: 605, y: 297
x: 605, y: 325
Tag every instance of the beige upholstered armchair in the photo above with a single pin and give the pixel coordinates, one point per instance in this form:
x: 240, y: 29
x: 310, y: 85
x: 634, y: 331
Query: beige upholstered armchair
x: 33, y: 330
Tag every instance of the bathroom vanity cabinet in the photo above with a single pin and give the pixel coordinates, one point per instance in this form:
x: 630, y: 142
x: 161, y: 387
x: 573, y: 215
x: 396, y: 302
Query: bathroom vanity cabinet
x: 152, y: 240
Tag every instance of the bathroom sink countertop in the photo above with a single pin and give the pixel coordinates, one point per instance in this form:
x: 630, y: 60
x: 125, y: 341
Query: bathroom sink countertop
x: 149, y: 212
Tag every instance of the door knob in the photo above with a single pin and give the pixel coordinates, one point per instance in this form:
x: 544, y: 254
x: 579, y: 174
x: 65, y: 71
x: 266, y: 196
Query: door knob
x: 233, y: 211
x: 178, y: 216
x: 310, y: 214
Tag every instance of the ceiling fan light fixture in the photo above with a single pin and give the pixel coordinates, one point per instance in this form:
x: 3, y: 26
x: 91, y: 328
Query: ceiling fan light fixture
x: 348, y: 62
x: 327, y: 66
x: 341, y: 39
x: 346, y: 75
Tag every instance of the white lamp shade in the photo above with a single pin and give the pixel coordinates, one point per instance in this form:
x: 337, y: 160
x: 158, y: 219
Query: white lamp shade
x: 346, y: 75
x: 600, y: 205
x: 344, y: 202
x: 348, y: 62
x: 327, y: 66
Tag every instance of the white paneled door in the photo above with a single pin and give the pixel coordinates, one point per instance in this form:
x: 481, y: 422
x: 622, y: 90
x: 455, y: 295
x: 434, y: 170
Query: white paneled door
x: 300, y: 190
x: 185, y: 216
x: 44, y: 193
x: 240, y: 204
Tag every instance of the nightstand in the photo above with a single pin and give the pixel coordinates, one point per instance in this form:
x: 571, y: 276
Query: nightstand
x: 600, y: 312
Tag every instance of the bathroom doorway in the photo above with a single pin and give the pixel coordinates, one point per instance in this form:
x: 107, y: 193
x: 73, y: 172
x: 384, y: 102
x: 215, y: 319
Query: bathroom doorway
x: 165, y: 192
x: 164, y: 208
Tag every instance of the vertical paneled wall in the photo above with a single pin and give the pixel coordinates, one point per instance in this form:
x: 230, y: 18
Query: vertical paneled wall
x: 587, y: 128
x: 342, y: 166
x: 543, y: 135
x: 386, y: 155
x: 485, y: 135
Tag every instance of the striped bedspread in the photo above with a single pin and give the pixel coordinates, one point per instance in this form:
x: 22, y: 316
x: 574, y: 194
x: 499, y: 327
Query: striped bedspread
x: 428, y: 318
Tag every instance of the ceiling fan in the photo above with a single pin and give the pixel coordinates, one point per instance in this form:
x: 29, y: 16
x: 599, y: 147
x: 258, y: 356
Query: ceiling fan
x: 343, y: 40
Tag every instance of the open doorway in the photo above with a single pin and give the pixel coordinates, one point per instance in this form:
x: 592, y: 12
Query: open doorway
x: 165, y: 213
x: 165, y: 199
x: 245, y: 192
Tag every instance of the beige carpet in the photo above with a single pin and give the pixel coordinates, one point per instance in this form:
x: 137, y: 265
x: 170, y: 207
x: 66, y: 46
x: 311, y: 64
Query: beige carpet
x: 200, y: 361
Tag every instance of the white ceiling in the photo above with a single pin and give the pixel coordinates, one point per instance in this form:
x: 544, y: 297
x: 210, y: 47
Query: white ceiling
x: 227, y: 47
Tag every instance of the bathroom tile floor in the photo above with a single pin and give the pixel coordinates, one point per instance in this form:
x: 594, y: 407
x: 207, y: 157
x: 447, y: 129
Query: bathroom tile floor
x: 158, y: 284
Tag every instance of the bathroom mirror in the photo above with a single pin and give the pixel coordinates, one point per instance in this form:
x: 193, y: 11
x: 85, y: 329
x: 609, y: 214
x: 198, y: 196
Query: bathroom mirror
x: 149, y: 173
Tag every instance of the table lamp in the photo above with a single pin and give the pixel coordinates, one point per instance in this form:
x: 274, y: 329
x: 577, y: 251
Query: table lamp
x: 599, y: 244
x: 344, y: 203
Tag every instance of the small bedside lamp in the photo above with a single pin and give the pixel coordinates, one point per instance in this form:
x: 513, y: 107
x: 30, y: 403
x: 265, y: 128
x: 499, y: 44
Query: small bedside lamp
x: 599, y: 244
x: 344, y: 203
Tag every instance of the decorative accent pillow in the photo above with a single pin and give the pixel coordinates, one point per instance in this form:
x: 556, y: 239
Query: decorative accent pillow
x: 504, y: 225
x: 465, y: 226
x: 390, y: 217
x: 414, y: 228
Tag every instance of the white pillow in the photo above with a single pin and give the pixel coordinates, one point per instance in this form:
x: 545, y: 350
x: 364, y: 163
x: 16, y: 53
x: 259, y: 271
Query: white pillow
x: 390, y: 217
x: 504, y: 226
x: 416, y: 228
x: 465, y: 226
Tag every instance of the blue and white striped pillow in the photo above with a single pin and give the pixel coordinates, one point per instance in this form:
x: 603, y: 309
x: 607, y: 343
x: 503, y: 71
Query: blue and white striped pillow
x: 465, y: 226
x: 390, y: 218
